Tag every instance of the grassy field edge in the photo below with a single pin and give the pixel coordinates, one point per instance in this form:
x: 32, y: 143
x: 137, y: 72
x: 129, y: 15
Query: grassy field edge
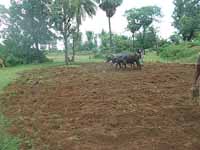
x: 7, y: 76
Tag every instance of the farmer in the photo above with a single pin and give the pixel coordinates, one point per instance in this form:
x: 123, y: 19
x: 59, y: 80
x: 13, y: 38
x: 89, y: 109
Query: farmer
x: 197, y: 73
x: 195, y: 88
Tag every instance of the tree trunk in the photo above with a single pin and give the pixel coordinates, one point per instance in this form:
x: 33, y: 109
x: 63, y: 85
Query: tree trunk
x: 76, y: 45
x: 110, y: 31
x: 133, y: 41
x: 73, y: 54
x: 28, y: 56
x: 73, y: 49
x: 191, y: 36
x: 38, y: 51
x: 66, y: 51
x: 184, y: 37
x: 143, y: 38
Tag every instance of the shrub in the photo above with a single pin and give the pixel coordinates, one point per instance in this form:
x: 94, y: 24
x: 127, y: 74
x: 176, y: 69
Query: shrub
x: 11, y: 60
x: 194, y: 43
x: 99, y: 55
x: 182, y: 52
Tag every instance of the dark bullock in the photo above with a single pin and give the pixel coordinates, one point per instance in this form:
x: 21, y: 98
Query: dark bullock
x: 132, y: 59
x: 117, y: 60
x: 122, y: 59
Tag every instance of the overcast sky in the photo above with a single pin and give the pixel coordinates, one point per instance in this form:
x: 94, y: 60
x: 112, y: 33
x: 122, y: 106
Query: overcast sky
x: 119, y: 22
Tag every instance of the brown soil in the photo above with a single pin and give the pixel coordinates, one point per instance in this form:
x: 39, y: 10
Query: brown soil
x: 95, y: 107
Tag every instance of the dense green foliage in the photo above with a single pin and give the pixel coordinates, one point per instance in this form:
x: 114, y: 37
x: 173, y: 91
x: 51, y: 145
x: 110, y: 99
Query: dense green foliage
x: 121, y: 43
x: 185, y: 52
x: 26, y: 28
x: 124, y: 43
x: 187, y: 18
x: 29, y: 27
x: 90, y: 44
x: 13, y: 55
x: 149, y: 40
x: 142, y: 18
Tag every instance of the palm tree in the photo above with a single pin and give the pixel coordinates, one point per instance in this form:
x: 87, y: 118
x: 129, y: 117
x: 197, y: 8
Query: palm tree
x: 109, y: 6
x: 83, y: 8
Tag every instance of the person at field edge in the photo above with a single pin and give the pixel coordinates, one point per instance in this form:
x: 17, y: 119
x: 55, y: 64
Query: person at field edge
x: 197, y: 72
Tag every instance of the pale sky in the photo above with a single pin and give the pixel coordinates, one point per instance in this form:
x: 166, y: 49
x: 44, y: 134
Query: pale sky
x: 119, y: 22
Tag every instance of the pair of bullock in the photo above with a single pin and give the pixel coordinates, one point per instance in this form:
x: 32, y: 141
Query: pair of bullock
x: 121, y: 60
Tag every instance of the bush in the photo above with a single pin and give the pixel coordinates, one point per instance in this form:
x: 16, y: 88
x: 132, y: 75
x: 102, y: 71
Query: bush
x: 99, y: 56
x: 183, y: 52
x: 11, y: 60
x: 43, y: 57
x: 194, y: 43
x: 13, y: 54
x: 3, y: 52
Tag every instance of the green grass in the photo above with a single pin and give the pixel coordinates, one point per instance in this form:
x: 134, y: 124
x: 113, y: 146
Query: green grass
x: 59, y: 57
x: 152, y: 57
x: 87, y: 59
x: 7, y: 75
x: 7, y: 142
x: 56, y: 57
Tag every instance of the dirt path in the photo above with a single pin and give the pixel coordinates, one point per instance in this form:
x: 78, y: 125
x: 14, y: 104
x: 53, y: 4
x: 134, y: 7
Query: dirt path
x: 97, y: 108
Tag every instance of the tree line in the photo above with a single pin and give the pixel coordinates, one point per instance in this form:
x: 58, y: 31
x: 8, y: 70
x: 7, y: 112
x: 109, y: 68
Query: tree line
x: 31, y: 23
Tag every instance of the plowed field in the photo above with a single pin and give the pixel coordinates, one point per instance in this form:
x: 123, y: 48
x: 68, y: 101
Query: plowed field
x: 95, y: 107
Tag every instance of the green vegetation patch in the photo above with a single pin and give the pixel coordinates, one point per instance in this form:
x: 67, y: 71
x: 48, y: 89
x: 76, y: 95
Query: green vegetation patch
x: 183, y: 53
x: 7, y: 142
x: 7, y: 75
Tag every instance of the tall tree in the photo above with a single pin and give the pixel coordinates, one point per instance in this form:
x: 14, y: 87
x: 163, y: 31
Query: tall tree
x: 35, y: 21
x: 109, y: 6
x: 96, y: 41
x: 142, y: 18
x: 82, y: 8
x: 63, y: 21
x: 151, y: 39
x: 74, y: 38
x: 104, y: 38
x: 90, y: 40
x: 187, y: 18
x: 133, y: 23
x: 27, y: 28
x: 121, y: 43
